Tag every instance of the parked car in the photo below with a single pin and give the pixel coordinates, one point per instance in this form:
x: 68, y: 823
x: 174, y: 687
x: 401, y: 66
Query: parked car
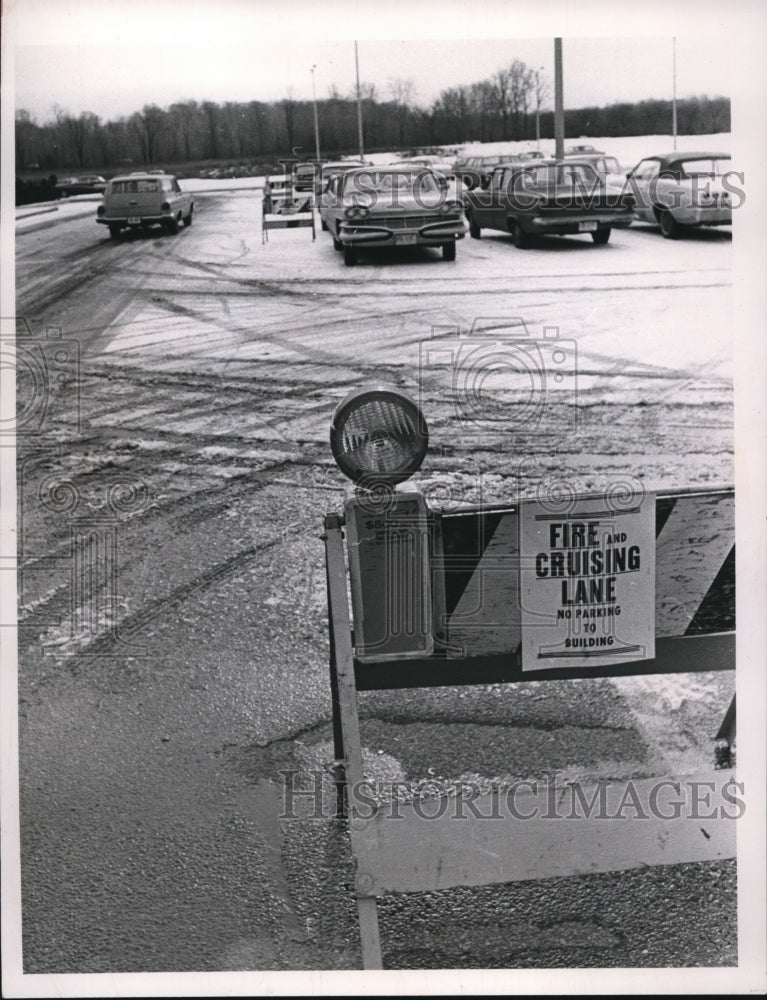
x: 90, y: 184
x: 391, y: 206
x: 606, y: 166
x: 577, y: 150
x: 430, y: 161
x: 679, y: 191
x: 140, y: 200
x: 475, y: 173
x: 547, y: 197
x: 331, y: 169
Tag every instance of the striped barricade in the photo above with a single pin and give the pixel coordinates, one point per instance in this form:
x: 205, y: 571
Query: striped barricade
x: 452, y: 597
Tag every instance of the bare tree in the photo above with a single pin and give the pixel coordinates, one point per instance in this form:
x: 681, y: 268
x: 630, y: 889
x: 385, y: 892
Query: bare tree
x: 24, y: 136
x: 147, y: 125
x: 402, y: 93
x: 289, y: 105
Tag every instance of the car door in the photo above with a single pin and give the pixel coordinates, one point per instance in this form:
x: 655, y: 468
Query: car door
x: 641, y: 181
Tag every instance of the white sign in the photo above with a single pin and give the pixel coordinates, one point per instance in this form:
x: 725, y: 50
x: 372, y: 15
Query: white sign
x: 587, y: 582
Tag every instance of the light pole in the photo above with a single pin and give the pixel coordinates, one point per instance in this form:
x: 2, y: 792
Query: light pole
x: 538, y: 107
x: 316, y: 119
x: 359, y: 102
x: 673, y: 84
x: 559, y: 104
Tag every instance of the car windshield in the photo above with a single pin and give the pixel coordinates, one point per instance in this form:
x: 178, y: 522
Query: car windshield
x: 383, y: 182
x: 709, y: 167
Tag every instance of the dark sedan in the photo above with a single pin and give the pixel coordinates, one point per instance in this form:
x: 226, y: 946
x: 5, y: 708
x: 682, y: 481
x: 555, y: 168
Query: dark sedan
x: 91, y: 184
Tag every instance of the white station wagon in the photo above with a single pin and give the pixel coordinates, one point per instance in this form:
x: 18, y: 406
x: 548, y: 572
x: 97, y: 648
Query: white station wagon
x: 136, y: 201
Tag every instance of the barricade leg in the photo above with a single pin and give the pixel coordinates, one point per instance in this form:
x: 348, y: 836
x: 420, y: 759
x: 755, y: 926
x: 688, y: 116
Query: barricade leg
x: 342, y: 667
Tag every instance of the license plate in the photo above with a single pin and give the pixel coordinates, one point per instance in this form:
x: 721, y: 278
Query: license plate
x: 406, y: 238
x: 586, y: 227
x: 134, y: 220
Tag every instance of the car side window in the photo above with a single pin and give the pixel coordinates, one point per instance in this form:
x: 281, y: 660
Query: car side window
x: 646, y: 169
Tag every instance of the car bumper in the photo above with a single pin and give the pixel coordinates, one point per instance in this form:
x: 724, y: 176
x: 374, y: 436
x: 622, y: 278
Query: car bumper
x: 714, y: 215
x: 433, y: 234
x: 135, y: 220
x: 566, y: 226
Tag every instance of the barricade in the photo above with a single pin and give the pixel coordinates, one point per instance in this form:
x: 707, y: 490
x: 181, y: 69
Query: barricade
x: 282, y: 207
x: 460, y: 598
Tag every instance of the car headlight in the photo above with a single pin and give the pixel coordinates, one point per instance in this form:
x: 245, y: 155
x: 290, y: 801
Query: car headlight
x: 357, y: 212
x: 378, y: 436
x: 450, y: 208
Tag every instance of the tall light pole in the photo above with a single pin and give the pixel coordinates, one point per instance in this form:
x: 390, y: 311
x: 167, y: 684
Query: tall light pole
x: 673, y: 93
x: 316, y: 120
x: 359, y: 102
x: 538, y: 107
x: 559, y: 108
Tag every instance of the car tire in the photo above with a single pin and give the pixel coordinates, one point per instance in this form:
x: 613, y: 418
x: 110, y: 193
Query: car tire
x: 475, y: 231
x: 114, y: 232
x: 448, y: 250
x: 324, y: 225
x: 668, y: 225
x: 171, y: 225
x: 601, y: 236
x: 188, y: 219
x: 350, y: 255
x: 519, y: 237
x: 337, y: 244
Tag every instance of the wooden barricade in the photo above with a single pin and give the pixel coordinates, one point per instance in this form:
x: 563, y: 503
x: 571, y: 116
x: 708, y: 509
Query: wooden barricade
x: 283, y: 207
x: 455, y: 578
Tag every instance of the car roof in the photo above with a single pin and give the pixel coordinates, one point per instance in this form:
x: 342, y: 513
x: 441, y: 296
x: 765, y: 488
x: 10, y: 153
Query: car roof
x: 394, y: 168
x: 667, y: 159
x: 143, y: 174
x: 550, y: 161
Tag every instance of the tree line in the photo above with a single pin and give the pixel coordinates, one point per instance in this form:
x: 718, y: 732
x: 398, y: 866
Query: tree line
x: 512, y: 104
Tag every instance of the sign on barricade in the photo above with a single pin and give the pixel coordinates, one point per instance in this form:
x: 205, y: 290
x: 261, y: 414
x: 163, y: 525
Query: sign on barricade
x: 482, y: 595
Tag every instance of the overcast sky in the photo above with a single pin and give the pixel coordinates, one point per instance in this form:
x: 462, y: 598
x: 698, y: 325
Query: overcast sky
x: 112, y: 57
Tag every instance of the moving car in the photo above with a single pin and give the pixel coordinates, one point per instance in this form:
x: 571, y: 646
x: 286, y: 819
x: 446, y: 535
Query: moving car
x: 137, y: 201
x: 548, y: 197
x: 679, y: 191
x: 90, y: 184
x: 391, y: 206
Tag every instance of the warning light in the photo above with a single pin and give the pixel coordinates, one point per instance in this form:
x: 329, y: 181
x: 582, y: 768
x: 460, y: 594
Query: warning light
x: 378, y: 436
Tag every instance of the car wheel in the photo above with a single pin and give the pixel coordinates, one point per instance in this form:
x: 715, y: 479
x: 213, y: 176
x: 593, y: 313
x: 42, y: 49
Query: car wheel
x: 188, y: 219
x: 324, y: 225
x: 448, y: 251
x: 114, y: 232
x: 519, y: 237
x: 337, y: 244
x: 601, y: 236
x: 350, y: 255
x: 668, y: 225
x: 475, y: 231
x: 171, y: 225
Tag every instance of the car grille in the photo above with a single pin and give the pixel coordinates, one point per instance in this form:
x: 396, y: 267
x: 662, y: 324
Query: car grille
x: 406, y: 221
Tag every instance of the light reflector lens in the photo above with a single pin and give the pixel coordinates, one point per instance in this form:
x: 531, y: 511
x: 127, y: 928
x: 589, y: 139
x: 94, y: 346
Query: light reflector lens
x: 378, y: 435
